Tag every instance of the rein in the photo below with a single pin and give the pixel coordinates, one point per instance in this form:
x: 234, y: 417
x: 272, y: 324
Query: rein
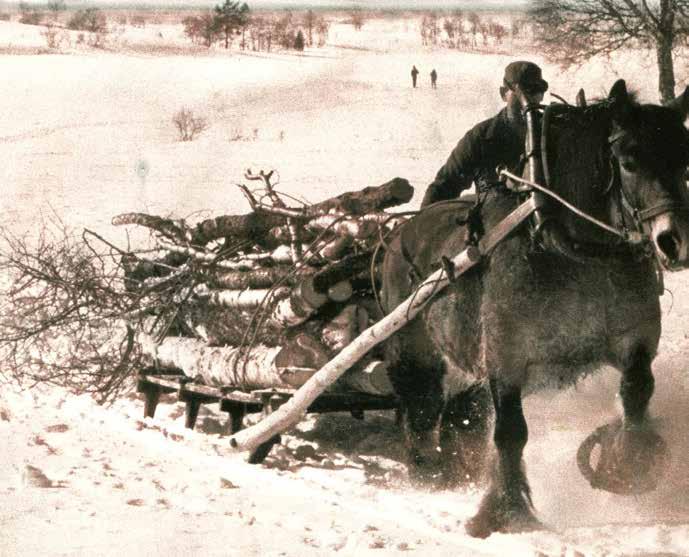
x: 630, y: 236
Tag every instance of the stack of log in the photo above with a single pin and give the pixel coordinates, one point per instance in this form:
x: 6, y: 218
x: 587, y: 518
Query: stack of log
x: 265, y: 299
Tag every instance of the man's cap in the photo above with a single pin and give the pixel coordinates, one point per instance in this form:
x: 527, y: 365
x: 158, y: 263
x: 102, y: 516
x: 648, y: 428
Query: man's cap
x: 525, y: 74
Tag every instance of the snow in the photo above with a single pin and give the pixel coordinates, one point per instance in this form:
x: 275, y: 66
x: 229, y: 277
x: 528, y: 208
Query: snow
x: 88, y: 134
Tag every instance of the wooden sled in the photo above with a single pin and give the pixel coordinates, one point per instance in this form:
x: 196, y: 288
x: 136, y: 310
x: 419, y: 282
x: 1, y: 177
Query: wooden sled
x: 152, y: 382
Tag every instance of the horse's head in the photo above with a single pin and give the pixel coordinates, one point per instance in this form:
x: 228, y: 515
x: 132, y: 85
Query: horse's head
x: 651, y: 146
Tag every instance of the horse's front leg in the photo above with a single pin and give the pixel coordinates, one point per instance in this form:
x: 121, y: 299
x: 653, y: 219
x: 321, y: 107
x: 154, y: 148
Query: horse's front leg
x: 506, y: 507
x: 632, y: 453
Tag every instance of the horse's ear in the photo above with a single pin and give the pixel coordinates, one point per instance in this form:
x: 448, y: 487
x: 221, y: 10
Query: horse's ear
x: 681, y: 103
x: 581, y: 98
x: 618, y: 93
x: 620, y: 101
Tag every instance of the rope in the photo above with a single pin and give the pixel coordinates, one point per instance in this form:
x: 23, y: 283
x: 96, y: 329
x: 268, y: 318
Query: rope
x: 621, y: 233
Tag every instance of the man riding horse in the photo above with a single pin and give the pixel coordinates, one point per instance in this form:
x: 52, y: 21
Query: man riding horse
x: 498, y: 141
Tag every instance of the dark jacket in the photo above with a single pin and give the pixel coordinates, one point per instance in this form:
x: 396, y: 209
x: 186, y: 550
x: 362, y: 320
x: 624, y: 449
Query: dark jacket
x: 491, y: 143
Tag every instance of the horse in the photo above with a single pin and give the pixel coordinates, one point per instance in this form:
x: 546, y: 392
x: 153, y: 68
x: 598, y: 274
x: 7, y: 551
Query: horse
x: 529, y: 316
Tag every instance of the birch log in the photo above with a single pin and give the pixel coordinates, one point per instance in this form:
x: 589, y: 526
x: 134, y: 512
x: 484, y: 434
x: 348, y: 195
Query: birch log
x: 267, y: 367
x: 257, y: 278
x: 174, y: 229
x: 291, y: 412
x: 242, y: 299
x: 217, y: 364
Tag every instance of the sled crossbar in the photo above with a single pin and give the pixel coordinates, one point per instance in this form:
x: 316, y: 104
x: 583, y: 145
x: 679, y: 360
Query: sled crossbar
x: 240, y: 403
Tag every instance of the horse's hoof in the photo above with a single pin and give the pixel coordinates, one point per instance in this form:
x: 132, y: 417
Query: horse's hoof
x: 478, y: 527
x: 488, y: 520
x: 630, y: 461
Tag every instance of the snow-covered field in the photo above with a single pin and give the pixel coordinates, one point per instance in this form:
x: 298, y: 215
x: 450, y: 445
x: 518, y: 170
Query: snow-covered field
x: 88, y: 134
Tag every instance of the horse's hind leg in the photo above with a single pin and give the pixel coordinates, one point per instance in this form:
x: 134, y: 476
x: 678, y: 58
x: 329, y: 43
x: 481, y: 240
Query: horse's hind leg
x: 421, y: 402
x: 507, y: 504
x: 464, y: 431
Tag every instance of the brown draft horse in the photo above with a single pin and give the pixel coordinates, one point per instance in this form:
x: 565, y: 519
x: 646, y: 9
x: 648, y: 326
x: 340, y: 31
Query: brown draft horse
x: 527, y: 318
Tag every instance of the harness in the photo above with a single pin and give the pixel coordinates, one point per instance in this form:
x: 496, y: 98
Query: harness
x: 633, y: 235
x: 639, y: 216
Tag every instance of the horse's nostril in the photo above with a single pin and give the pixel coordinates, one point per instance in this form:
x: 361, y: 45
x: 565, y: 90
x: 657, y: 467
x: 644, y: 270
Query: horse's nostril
x: 669, y: 245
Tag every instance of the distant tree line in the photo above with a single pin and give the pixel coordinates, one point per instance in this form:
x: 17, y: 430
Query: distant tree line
x: 465, y: 30
x: 230, y: 21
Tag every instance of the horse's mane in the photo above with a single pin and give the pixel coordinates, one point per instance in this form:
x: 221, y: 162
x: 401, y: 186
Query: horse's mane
x: 577, y: 162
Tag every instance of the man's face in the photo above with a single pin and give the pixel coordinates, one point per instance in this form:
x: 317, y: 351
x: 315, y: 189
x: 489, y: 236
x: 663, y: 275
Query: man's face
x: 516, y: 98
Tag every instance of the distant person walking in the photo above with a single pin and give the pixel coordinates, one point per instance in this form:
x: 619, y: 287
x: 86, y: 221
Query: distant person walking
x: 414, y: 73
x: 434, y: 78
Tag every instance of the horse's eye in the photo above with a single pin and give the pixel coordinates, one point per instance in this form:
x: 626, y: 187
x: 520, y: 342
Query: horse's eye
x: 629, y: 165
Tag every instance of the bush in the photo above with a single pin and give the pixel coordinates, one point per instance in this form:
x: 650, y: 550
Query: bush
x: 31, y: 18
x: 90, y: 19
x: 188, y: 126
x: 54, y: 36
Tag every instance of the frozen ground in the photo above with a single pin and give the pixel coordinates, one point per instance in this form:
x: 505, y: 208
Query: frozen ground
x: 88, y: 134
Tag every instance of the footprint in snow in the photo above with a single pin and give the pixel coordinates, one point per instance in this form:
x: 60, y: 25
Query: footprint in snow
x: 57, y: 428
x: 34, y: 477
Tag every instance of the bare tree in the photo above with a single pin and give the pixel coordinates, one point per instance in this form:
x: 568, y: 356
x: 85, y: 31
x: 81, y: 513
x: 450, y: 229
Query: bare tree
x: 61, y: 314
x: 322, y: 27
x: 474, y: 26
x: 192, y: 27
x: 188, y: 125
x: 54, y: 36
x: 29, y: 14
x: 310, y: 23
x: 55, y: 7
x: 357, y: 18
x: 572, y: 31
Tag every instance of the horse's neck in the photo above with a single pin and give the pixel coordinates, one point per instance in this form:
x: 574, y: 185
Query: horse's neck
x: 585, y: 179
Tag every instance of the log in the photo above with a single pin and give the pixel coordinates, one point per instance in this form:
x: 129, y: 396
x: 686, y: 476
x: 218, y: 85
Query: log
x: 242, y: 299
x: 252, y: 226
x: 344, y: 269
x: 282, y: 235
x: 371, y: 377
x: 137, y: 269
x: 218, y: 366
x: 291, y: 412
x: 256, y: 278
x: 174, y: 229
x: 376, y: 198
x: 305, y: 300
x: 301, y: 304
x: 267, y: 367
x: 281, y: 254
x: 341, y: 291
x: 334, y: 249
x: 344, y: 327
x: 355, y: 227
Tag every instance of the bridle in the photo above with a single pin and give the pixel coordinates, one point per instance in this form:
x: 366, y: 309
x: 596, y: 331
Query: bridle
x: 638, y: 216
x: 634, y: 235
